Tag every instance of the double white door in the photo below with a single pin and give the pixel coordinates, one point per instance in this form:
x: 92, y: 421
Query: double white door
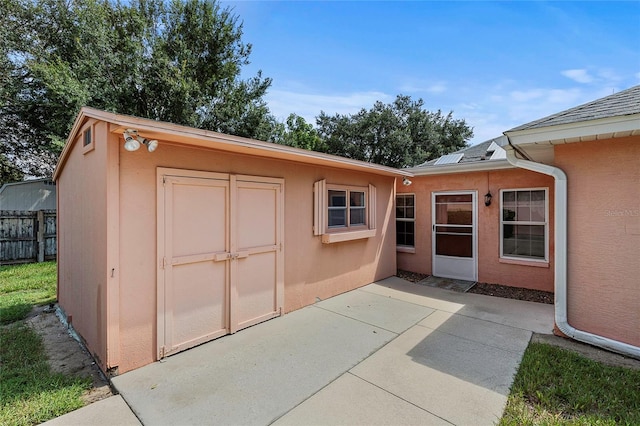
x: 220, y: 255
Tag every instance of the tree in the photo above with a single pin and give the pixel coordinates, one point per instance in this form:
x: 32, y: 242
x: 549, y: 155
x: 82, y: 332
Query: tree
x: 399, y: 134
x: 177, y: 61
x: 296, y: 132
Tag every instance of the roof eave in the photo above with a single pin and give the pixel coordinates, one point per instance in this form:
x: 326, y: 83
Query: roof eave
x: 606, y: 128
x: 475, y: 166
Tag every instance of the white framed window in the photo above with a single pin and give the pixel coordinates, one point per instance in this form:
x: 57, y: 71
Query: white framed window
x: 405, y: 220
x: 524, y: 224
x: 343, y: 212
x: 88, y: 139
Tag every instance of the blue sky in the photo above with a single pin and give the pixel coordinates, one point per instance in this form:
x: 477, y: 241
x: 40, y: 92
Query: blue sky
x: 495, y: 64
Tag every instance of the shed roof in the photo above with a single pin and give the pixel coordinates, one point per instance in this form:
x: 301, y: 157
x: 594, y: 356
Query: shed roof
x: 189, y: 136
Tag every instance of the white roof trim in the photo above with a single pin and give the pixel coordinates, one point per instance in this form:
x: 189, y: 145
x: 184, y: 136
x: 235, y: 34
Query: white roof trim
x: 474, y: 166
x: 606, y: 128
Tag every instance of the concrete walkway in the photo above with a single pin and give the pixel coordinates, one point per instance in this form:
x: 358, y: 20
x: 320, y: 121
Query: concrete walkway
x: 391, y: 352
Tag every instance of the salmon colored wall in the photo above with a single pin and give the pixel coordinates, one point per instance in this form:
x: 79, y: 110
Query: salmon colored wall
x: 312, y: 269
x: 491, y: 269
x: 82, y: 269
x: 603, y: 236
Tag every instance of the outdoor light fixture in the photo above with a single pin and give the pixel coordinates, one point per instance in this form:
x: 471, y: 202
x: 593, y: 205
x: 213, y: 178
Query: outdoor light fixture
x: 132, y: 141
x: 406, y: 182
x: 150, y: 144
x: 487, y: 198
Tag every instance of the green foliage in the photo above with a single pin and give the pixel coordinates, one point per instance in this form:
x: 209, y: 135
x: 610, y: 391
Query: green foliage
x: 29, y: 392
x: 399, y: 134
x: 176, y: 61
x: 296, y: 132
x: 22, y: 286
x: 554, y: 386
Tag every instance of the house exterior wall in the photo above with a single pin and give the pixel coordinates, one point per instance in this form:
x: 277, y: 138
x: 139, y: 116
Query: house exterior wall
x: 312, y: 269
x: 603, y: 236
x: 491, y: 269
x: 82, y: 236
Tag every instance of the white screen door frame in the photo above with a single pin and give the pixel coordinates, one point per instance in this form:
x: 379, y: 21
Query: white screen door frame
x: 454, y: 234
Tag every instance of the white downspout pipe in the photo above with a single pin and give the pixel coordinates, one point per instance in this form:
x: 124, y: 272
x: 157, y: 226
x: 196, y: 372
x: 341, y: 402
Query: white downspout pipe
x: 560, y: 270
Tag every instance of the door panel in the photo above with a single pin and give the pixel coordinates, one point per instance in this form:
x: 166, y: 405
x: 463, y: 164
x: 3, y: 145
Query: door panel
x: 258, y: 230
x: 196, y: 287
x: 454, y: 235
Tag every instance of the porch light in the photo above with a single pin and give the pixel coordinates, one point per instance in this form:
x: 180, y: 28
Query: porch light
x: 487, y: 198
x: 406, y: 182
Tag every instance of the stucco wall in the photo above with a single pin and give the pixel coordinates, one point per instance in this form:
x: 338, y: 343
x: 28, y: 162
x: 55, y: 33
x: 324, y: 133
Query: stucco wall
x: 491, y: 269
x: 312, y: 269
x: 82, y: 268
x: 603, y: 236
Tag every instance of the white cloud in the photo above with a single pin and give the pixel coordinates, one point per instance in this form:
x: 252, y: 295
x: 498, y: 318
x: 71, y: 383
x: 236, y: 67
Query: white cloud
x: 308, y: 105
x: 418, y: 87
x: 578, y: 75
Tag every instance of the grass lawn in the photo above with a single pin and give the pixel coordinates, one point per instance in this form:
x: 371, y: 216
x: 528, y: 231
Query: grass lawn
x: 23, y: 286
x: 30, y: 393
x: 554, y: 386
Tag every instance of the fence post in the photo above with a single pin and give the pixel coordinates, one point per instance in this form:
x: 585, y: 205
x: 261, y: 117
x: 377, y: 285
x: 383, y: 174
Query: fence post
x: 40, y: 235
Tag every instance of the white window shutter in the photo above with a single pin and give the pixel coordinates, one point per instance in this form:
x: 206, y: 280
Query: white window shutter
x: 319, y: 206
x: 372, y: 207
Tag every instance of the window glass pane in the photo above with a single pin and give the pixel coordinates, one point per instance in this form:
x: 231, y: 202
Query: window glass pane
x: 537, y: 206
x: 400, y: 200
x: 508, y: 197
x: 524, y: 241
x: 337, y: 217
x: 337, y: 198
x: 409, y: 213
x: 400, y: 212
x: 457, y: 198
x: 405, y: 233
x: 356, y: 199
x: 357, y: 216
x: 87, y: 137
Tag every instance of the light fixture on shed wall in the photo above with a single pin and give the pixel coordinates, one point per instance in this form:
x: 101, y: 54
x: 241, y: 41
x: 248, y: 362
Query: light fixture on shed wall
x: 132, y: 141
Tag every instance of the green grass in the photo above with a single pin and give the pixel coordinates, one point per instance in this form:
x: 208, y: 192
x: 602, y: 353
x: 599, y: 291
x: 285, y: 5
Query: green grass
x: 23, y: 286
x: 30, y: 393
x: 554, y: 386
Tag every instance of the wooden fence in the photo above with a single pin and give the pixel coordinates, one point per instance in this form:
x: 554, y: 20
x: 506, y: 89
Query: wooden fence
x: 27, y: 236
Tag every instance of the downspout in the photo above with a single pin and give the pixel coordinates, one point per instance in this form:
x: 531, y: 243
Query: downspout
x: 560, y: 271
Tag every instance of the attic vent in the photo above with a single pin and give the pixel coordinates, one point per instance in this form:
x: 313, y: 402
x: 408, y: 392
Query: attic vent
x: 496, y: 152
x: 449, y: 159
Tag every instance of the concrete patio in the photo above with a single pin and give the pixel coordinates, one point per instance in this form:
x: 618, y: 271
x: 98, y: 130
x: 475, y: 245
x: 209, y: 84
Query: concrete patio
x: 391, y: 352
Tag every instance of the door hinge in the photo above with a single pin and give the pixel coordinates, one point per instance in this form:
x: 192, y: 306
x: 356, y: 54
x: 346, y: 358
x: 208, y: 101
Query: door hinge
x: 164, y: 262
x: 161, y: 353
x: 280, y: 246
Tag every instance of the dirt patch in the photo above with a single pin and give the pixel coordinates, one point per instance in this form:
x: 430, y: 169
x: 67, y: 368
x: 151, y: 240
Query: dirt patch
x: 412, y: 277
x: 65, y: 354
x: 509, y: 292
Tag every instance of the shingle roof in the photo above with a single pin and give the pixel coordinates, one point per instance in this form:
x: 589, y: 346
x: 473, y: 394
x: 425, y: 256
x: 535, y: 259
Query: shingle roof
x: 625, y: 102
x: 473, y: 153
